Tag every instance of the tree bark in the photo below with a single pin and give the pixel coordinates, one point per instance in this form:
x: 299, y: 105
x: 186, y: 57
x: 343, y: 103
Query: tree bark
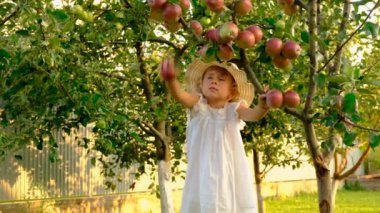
x: 334, y: 190
x: 258, y: 182
x: 164, y: 180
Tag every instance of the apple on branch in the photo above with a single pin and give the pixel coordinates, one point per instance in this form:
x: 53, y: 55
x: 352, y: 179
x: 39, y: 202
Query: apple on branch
x: 291, y: 99
x: 256, y: 30
x: 245, y: 39
x: 274, y: 98
x: 273, y: 47
x: 242, y: 7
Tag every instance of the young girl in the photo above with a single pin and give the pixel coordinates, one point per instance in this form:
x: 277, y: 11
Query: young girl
x: 218, y: 96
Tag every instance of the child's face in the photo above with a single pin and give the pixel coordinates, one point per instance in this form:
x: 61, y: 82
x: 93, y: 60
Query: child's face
x: 217, y: 85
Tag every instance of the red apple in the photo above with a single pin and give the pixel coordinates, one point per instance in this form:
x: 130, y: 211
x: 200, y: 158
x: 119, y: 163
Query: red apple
x: 256, y: 30
x: 291, y: 50
x: 245, y: 39
x: 291, y: 99
x: 212, y: 35
x: 156, y: 3
x: 185, y: 4
x: 274, y: 98
x: 196, y: 26
x: 172, y: 13
x: 273, y: 47
x: 281, y: 62
x: 215, y: 5
x: 167, y: 70
x: 225, y: 52
x: 242, y: 7
x: 228, y: 32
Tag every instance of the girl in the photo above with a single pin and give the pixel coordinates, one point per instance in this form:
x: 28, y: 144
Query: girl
x: 218, y: 96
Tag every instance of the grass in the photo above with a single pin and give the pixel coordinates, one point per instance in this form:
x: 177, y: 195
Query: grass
x: 347, y: 201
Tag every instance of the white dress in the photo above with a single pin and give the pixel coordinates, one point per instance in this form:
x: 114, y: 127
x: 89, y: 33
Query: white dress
x: 218, y: 177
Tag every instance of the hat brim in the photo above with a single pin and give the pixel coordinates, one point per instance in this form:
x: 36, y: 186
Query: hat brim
x: 196, y: 69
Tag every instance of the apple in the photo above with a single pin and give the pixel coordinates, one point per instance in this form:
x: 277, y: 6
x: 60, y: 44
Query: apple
x: 157, y: 3
x: 172, y: 13
x: 205, y: 20
x: 273, y: 47
x: 184, y: 4
x: 196, y: 26
x: 245, y: 39
x: 274, y: 98
x: 212, y: 35
x: 242, y: 7
x: 225, y: 52
x: 291, y: 50
x: 281, y: 62
x: 101, y: 124
x: 215, y: 5
x: 256, y: 30
x: 228, y: 32
x: 279, y: 25
x: 167, y: 69
x: 291, y: 99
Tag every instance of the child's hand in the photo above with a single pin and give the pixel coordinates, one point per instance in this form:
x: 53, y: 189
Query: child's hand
x: 263, y: 99
x: 167, y: 69
x: 263, y: 102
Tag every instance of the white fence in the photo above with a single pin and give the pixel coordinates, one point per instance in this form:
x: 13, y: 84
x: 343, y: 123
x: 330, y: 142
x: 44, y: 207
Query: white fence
x: 35, y: 177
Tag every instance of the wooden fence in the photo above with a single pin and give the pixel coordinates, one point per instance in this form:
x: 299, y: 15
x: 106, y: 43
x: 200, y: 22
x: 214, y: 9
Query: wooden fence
x: 35, y: 177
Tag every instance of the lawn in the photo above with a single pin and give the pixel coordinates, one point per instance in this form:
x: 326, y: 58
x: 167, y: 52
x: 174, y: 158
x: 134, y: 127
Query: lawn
x: 346, y: 202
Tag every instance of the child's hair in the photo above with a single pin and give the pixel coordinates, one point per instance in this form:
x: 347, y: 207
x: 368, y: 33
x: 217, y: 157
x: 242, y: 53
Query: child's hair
x: 224, y: 71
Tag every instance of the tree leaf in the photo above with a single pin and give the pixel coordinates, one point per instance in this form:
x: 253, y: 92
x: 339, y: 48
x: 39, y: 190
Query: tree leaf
x: 374, y: 140
x: 348, y: 138
x: 59, y: 15
x: 349, y: 103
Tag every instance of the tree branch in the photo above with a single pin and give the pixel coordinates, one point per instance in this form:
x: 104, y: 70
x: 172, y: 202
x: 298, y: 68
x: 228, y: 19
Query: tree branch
x: 349, y: 38
x: 251, y: 75
x: 356, y: 166
x: 313, y: 49
x: 294, y: 113
x: 163, y: 41
x: 347, y: 121
x: 342, y: 28
x: 2, y: 22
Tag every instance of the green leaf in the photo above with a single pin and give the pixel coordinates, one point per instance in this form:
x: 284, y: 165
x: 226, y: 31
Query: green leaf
x: 374, y: 140
x: 305, y: 36
x: 372, y: 29
x: 349, y: 103
x: 22, y: 33
x: 4, y: 54
x: 320, y: 79
x: 338, y: 78
x: 59, y: 15
x: 348, y: 138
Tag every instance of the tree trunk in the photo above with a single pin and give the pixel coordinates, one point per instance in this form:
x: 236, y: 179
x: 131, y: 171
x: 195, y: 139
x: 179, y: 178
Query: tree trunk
x: 321, y: 169
x: 334, y: 190
x: 164, y: 179
x: 258, y: 181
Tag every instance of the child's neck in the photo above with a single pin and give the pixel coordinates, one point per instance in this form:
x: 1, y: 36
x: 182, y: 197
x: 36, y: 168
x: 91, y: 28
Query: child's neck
x: 217, y: 104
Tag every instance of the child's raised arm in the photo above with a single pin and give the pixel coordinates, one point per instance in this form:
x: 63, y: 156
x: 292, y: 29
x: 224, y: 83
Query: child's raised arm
x: 167, y: 71
x: 253, y: 114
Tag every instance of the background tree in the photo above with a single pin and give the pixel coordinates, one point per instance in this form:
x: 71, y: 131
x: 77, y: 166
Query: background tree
x: 95, y: 62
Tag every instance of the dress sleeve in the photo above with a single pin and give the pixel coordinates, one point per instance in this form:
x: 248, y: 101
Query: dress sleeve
x: 196, y: 108
x: 233, y: 114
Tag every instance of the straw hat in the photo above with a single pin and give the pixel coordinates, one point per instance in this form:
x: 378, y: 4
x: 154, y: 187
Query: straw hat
x: 196, y: 69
